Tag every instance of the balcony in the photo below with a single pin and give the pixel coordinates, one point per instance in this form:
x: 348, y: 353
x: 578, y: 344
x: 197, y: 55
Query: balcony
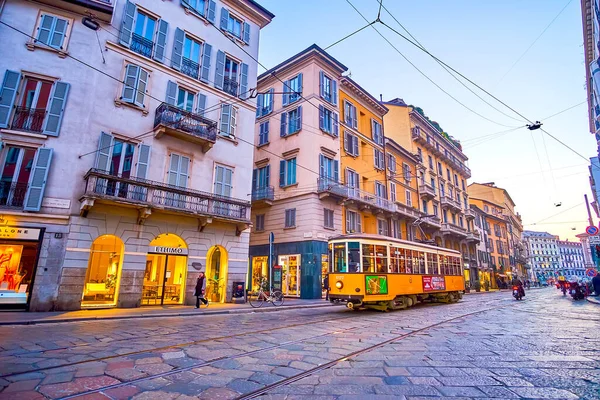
x: 469, y: 214
x: 230, y: 86
x: 28, y: 119
x: 366, y: 200
x: 448, y: 202
x: 101, y: 9
x: 149, y: 196
x: 330, y: 187
x: 190, y: 68
x: 431, y: 222
x: 12, y: 194
x: 452, y: 229
x: 406, y: 211
x: 185, y: 125
x: 141, y: 45
x: 473, y: 236
x: 426, y: 191
x: 263, y: 196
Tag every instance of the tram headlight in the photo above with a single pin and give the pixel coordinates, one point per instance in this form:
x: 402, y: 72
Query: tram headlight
x: 339, y: 284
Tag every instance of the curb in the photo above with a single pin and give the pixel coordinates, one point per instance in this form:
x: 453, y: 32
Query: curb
x: 170, y: 315
x: 593, y: 300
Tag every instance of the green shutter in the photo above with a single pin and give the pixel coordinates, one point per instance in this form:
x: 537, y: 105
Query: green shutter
x: 129, y: 86
x: 8, y: 94
x: 127, y: 23
x: 177, y: 52
x: 205, y: 69
x: 104, y: 152
x: 220, y: 70
x: 212, y: 11
x: 56, y: 109
x: 161, y: 40
x: 171, y: 97
x: 143, y: 161
x: 224, y: 18
x: 37, y: 180
x: 244, y: 82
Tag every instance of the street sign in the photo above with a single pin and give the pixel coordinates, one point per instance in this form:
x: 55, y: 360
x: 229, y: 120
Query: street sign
x: 272, y: 237
x: 591, y: 230
x: 591, y: 272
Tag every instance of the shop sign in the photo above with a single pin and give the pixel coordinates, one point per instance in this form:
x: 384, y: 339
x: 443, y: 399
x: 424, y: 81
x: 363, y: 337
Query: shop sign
x: 176, y: 251
x: 431, y: 283
x: 13, y: 232
x: 52, y: 202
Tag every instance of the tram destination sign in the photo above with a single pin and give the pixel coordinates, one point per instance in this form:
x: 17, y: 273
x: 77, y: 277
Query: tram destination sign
x: 176, y: 251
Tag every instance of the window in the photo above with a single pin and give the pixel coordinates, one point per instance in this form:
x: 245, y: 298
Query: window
x: 377, y: 132
x: 234, y: 25
x: 223, y: 181
x: 486, y: 208
x: 185, y: 99
x: 204, y: 8
x: 425, y: 210
x: 290, y: 218
x: 396, y: 233
x: 136, y: 82
x: 350, y: 144
x: 456, y: 180
x: 350, y: 117
x: 448, y: 175
x: 291, y: 122
x: 454, y: 219
x: 435, y: 210
x: 352, y: 180
x: 420, y: 154
x: 408, y: 194
x: 393, y: 192
x: 263, y: 133
x: 328, y: 121
x: 328, y: 169
x: 53, y: 31
x: 179, y: 170
x: 261, y: 178
x: 445, y: 216
x: 466, y: 203
x: 382, y: 227
x: 260, y: 222
x: 440, y: 170
x: 430, y: 162
x: 460, y: 222
x: 189, y: 63
x: 442, y: 190
x: 433, y: 185
x: 378, y: 158
x: 292, y: 90
x: 228, y: 120
x: 406, y: 173
x: 142, y: 38
x: 287, y: 172
x: 463, y: 184
x: 391, y: 163
x: 353, y: 222
x: 380, y: 190
x: 230, y: 77
x: 327, y: 88
x: 328, y: 218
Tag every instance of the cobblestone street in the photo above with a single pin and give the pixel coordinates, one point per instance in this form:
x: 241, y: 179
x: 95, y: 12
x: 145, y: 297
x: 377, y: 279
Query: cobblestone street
x: 486, y: 346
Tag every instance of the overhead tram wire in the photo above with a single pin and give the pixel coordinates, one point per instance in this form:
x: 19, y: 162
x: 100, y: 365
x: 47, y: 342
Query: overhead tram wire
x: 565, y: 110
x: 466, y: 78
x: 558, y: 213
x: 423, y: 73
x: 443, y: 66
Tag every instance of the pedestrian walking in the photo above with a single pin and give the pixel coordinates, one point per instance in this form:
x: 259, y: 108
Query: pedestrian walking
x: 326, y: 286
x: 200, y: 290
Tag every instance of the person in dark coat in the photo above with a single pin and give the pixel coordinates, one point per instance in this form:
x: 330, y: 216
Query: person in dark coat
x: 596, y: 284
x: 200, y: 290
x: 326, y: 286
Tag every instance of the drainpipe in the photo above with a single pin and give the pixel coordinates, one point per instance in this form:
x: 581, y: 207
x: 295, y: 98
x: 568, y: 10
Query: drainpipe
x: 2, y: 5
x: 385, y: 169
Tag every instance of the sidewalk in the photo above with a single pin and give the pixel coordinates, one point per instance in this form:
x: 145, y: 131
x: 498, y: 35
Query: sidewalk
x: 500, y: 290
x: 592, y: 299
x: 29, y: 318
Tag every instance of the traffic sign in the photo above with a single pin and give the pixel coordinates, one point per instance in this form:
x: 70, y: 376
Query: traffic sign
x: 591, y: 230
x: 591, y: 272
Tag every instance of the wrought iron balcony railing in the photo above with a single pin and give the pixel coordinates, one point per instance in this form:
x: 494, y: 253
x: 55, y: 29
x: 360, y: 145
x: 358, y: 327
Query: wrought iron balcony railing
x: 263, y: 193
x: 331, y: 186
x: 453, y: 229
x: 12, y: 194
x: 426, y: 191
x: 185, y: 124
x: 141, y: 45
x: 29, y: 119
x: 157, y: 195
x: 190, y: 68
x: 230, y: 86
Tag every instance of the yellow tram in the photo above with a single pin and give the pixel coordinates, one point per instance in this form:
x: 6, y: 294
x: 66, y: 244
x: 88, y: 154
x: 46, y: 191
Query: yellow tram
x: 371, y: 271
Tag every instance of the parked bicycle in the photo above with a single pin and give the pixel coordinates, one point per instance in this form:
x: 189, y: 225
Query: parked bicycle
x: 256, y: 298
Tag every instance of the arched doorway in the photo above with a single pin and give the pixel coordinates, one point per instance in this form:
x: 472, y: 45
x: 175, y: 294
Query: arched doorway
x: 216, y: 273
x: 166, y: 271
x: 104, y: 272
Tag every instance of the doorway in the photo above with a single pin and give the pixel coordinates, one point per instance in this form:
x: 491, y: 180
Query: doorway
x: 164, y: 279
x: 290, y: 266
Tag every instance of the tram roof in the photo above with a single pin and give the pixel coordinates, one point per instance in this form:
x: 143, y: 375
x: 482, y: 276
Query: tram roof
x: 371, y: 236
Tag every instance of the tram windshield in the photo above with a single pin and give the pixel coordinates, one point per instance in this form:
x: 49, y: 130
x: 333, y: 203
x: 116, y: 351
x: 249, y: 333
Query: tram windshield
x: 339, y: 258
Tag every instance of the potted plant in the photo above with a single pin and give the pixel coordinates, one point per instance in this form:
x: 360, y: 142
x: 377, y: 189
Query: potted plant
x: 477, y: 286
x: 486, y: 285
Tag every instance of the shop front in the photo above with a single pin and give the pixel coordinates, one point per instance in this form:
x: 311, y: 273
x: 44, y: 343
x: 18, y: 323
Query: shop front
x: 290, y: 268
x: 19, y: 253
x: 103, y: 275
x: 166, y: 270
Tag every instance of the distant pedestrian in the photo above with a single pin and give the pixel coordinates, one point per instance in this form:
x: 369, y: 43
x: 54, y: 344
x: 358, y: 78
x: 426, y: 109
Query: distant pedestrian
x: 200, y: 290
x: 326, y: 286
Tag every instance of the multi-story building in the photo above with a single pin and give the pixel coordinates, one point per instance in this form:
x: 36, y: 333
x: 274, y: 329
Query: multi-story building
x: 594, y: 169
x: 544, y: 256
x: 590, y: 10
x: 441, y: 177
x: 481, y: 270
x: 151, y: 127
x: 571, y: 258
x: 500, y: 198
x: 587, y: 247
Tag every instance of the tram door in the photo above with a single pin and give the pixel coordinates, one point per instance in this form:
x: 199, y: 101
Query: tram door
x: 290, y: 266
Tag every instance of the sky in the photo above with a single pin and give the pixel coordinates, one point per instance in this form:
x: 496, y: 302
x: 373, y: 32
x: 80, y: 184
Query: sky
x: 482, y: 40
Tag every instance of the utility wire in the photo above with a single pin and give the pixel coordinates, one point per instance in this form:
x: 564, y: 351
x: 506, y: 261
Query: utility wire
x: 558, y: 213
x: 348, y: 36
x: 565, y: 110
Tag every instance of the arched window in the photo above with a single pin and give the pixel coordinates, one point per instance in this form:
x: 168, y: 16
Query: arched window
x: 103, y: 272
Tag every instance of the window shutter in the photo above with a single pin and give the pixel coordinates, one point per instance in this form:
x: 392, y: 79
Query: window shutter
x: 335, y: 126
x: 283, y: 130
x: 300, y: 85
x: 225, y: 119
x: 354, y: 118
x: 131, y: 76
x: 244, y: 82
x: 358, y: 223
x: 171, y: 97
x: 348, y: 227
x: 259, y: 102
x: 334, y: 92
x: 355, y: 146
x: 8, y: 94
x: 205, y: 69
x: 271, y: 99
x: 294, y: 217
x: 183, y: 172
x: 282, y: 173
x: 321, y: 117
x: 246, y: 33
x: 201, y: 104
x: 286, y: 93
x: 45, y: 29
x: 224, y: 18
x: 177, y: 52
x: 321, y: 87
x: 37, y: 180
x: 127, y: 24
x: 212, y: 11
x: 346, y: 141
x: 220, y: 70
x: 58, y: 35
x: 56, y: 109
x: 322, y: 172
x: 140, y: 87
x: 143, y: 161
x: 292, y: 171
x: 254, y: 179
x: 299, y: 119
x: 267, y: 175
x: 103, y: 155
x: 233, y: 121
x: 266, y: 133
x: 336, y: 170
x: 161, y: 40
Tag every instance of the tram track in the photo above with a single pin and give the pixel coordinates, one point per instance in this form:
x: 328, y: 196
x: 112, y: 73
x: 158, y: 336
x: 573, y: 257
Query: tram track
x: 367, y: 323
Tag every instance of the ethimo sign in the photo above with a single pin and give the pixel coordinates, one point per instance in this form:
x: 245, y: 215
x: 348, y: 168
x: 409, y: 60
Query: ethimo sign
x: 176, y: 251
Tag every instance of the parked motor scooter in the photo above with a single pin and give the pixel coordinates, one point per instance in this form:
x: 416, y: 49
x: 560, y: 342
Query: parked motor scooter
x: 517, y: 292
x: 577, y: 291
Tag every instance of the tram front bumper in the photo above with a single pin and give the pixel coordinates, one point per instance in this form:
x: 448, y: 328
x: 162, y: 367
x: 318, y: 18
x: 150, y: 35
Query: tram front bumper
x: 356, y: 299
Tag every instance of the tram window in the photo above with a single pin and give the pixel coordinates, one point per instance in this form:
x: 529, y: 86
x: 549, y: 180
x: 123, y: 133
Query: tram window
x: 402, y: 261
x: 354, y: 256
x: 432, y: 264
x: 394, y: 264
x: 368, y: 251
x: 444, y: 265
x: 456, y: 265
x: 421, y: 260
x: 381, y: 259
x: 339, y: 258
x: 409, y: 261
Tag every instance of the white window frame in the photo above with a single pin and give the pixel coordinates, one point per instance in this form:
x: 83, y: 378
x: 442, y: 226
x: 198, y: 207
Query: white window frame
x: 408, y: 195
x: 350, y: 147
x: 378, y: 159
x: 382, y: 227
x: 223, y: 183
x: 393, y: 191
x: 328, y: 218
x: 406, y: 172
x: 260, y: 227
x: 353, y: 217
x: 377, y: 136
x: 291, y: 214
x: 34, y: 43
